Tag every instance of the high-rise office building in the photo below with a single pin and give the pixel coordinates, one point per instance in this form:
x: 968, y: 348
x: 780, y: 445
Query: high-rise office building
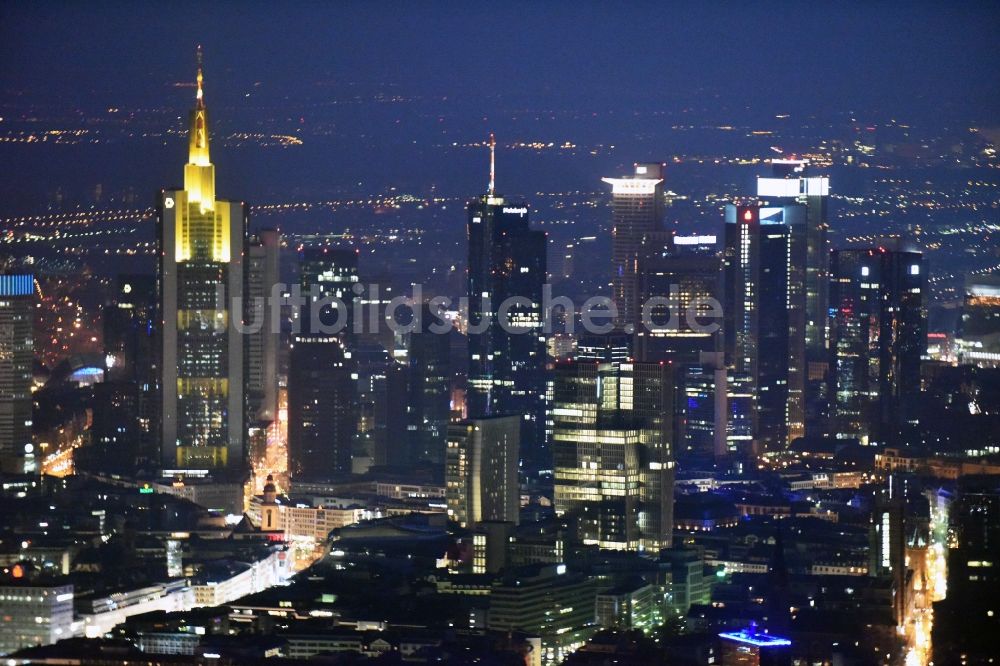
x: 481, y: 470
x: 714, y: 414
x: 887, y: 550
x: 637, y: 205
x: 507, y: 270
x: 123, y: 432
x: 116, y: 439
x: 200, y: 276
x: 740, y: 409
x: 391, y: 412
x: 130, y: 329
x: 262, y: 311
x: 612, y: 437
x: 760, y: 311
x: 327, y: 276
x: 547, y: 601
x: 429, y: 392
x: 613, y: 347
x: 701, y: 423
x: 878, y: 332
x: 322, y: 408
x: 324, y: 405
x: 17, y: 317
x: 262, y: 343
x: 383, y: 406
x: 677, y: 289
x: 793, y: 181
x: 978, y: 334
x: 966, y: 621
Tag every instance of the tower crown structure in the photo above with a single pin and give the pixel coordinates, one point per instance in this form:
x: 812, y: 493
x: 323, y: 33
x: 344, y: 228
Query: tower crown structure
x: 199, y: 172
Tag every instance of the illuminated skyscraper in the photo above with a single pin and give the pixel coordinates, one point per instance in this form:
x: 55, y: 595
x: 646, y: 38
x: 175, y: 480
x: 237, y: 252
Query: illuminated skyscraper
x: 612, y: 442
x: 130, y: 329
x: 261, y: 311
x: 262, y: 344
x: 887, y: 543
x: 17, y: 316
x: 761, y: 301
x: 481, y: 470
x: 689, y: 277
x: 701, y: 414
x: 637, y: 210
x: 322, y: 408
x: 507, y: 362
x: 125, y: 431
x: 792, y: 181
x: 429, y: 391
x: 878, y: 332
x: 202, y: 241
x: 613, y: 347
x: 328, y: 274
x: 323, y: 397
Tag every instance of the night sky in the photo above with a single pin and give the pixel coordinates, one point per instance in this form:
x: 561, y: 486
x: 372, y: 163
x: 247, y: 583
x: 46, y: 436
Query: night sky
x: 589, y: 73
x: 905, y: 58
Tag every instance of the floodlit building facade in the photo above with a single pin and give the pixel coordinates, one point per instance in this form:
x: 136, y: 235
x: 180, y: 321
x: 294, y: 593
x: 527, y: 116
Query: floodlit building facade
x: 201, y: 280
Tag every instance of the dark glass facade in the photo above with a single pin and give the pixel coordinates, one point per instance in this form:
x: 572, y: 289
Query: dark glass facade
x: 507, y: 260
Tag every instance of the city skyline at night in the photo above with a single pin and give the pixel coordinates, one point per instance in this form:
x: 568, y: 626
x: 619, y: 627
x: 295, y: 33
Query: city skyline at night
x: 530, y: 333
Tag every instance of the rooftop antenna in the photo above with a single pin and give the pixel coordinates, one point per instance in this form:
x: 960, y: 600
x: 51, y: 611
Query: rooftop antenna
x: 493, y: 164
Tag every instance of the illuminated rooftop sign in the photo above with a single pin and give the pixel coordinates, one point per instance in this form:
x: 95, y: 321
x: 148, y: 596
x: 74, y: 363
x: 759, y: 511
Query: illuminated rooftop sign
x: 772, y: 215
x: 694, y: 240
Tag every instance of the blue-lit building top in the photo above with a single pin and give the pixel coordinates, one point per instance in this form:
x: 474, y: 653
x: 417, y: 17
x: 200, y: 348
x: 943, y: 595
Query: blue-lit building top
x: 755, y: 638
x: 17, y: 285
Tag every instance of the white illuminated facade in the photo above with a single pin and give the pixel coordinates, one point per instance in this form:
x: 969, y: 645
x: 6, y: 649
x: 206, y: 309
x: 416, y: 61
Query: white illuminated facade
x: 818, y: 186
x: 633, y: 185
x: 695, y: 240
x: 35, y: 615
x: 637, y: 205
x: 241, y: 580
x: 109, y: 611
x: 301, y: 521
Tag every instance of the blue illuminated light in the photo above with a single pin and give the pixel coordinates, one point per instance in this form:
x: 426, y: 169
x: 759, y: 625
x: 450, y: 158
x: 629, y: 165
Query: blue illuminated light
x: 755, y: 638
x: 88, y: 370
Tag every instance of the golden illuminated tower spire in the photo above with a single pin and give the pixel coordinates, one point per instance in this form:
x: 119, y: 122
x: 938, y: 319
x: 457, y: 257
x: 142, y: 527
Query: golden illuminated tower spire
x: 493, y: 164
x: 200, y: 96
x: 199, y: 174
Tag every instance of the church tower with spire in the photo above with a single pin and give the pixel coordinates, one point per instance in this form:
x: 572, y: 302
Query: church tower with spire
x: 201, y: 250
x: 270, y: 512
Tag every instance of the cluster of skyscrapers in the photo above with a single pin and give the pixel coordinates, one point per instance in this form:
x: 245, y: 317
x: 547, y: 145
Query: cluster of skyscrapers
x: 725, y: 347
